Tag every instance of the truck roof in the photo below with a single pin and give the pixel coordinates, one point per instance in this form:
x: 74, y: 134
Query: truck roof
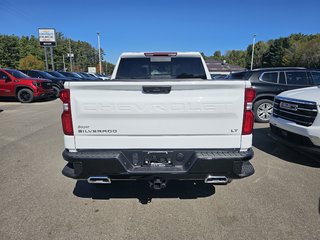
x: 147, y: 54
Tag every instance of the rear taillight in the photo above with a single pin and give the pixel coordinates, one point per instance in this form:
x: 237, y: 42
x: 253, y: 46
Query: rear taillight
x: 66, y: 114
x: 248, y: 117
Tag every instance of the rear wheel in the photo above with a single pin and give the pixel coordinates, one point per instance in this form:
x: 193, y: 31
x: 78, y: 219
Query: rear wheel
x: 263, y: 110
x: 25, y: 95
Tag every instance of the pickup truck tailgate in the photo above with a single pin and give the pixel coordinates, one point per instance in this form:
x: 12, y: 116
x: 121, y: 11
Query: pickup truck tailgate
x: 119, y: 114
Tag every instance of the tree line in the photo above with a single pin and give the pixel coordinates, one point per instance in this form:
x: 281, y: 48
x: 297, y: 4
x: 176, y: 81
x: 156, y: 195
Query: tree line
x: 296, y: 50
x: 26, y: 53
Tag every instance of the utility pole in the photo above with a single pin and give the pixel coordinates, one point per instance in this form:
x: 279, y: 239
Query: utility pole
x: 100, y: 70
x: 252, y: 53
x: 64, y: 63
x: 70, y: 55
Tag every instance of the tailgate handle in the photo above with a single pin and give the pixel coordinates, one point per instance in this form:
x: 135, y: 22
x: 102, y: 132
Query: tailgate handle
x: 156, y: 89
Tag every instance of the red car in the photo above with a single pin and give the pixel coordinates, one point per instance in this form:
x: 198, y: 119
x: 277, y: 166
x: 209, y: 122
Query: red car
x: 14, y: 83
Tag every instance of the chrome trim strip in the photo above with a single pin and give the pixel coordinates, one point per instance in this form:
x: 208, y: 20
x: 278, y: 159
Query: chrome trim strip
x: 295, y: 100
x: 310, y: 110
x: 299, y: 115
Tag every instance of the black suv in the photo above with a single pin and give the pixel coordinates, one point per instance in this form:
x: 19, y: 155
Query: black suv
x: 57, y: 83
x: 269, y: 82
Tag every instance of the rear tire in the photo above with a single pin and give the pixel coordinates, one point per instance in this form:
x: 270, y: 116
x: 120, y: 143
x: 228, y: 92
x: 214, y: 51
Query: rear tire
x: 25, y: 95
x: 263, y: 110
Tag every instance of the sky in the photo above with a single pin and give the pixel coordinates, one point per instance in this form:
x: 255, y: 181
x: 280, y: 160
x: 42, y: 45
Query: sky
x: 162, y: 25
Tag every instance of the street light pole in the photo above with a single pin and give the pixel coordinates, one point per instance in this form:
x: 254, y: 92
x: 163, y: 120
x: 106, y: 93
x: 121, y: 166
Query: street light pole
x: 252, y: 53
x: 100, y: 71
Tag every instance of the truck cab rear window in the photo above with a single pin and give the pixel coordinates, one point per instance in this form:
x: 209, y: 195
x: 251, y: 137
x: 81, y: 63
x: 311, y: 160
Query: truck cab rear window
x: 171, y: 68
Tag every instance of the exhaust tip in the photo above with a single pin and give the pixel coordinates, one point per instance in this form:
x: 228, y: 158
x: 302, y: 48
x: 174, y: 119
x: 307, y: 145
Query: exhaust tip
x: 216, y: 179
x: 99, y: 180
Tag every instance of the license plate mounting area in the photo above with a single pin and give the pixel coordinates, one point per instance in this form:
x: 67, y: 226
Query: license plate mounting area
x: 157, y: 158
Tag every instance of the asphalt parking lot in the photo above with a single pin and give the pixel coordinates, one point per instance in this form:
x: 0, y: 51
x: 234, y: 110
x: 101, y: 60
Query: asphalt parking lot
x: 280, y: 201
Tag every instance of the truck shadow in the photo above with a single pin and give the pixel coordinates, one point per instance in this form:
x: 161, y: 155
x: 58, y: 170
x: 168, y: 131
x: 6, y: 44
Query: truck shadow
x: 142, y: 191
x: 12, y: 99
x: 9, y: 99
x: 263, y: 142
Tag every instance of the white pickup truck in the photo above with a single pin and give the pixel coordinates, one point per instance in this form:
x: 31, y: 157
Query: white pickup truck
x: 159, y: 118
x: 296, y: 119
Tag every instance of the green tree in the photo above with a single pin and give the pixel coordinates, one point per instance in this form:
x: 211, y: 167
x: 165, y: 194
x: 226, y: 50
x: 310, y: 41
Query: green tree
x: 294, y: 50
x: 60, y: 51
x: 9, y: 51
x: 24, y: 46
x: 275, y: 56
x: 236, y: 57
x: 31, y: 62
x: 110, y: 68
x: 308, y: 54
x: 217, y: 56
x: 106, y: 67
x: 30, y: 45
x: 260, y: 49
x: 13, y: 48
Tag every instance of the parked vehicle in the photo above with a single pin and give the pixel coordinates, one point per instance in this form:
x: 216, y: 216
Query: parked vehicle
x: 57, y: 82
x: 14, y: 83
x: 220, y: 75
x: 101, y: 76
x: 296, y: 119
x: 59, y: 75
x: 269, y: 82
x: 159, y: 118
x: 88, y: 76
x: 71, y: 75
x: 77, y: 76
x: 80, y: 76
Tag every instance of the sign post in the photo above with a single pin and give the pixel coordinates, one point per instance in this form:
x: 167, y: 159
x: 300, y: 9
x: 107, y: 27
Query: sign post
x: 47, y: 39
x: 45, y: 57
x: 52, y: 63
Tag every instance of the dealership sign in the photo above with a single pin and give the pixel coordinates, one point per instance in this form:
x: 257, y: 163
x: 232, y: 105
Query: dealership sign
x: 92, y: 70
x: 47, y: 37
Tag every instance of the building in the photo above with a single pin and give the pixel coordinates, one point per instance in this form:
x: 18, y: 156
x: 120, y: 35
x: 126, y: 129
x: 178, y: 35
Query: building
x: 219, y: 69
